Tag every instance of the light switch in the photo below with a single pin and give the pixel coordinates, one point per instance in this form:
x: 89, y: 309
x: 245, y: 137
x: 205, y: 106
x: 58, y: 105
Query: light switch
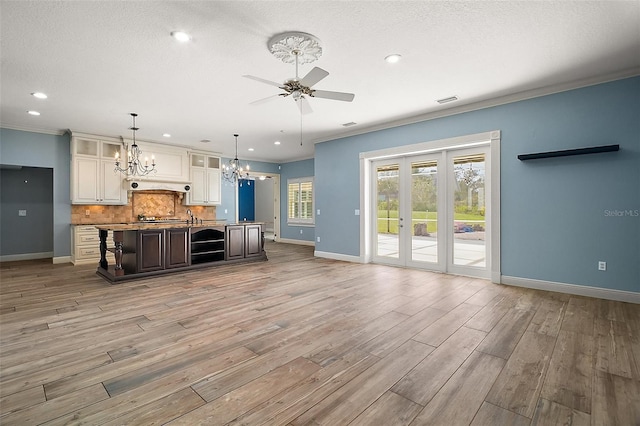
x: 22, y: 212
x: 357, y: 212
x: 318, y: 212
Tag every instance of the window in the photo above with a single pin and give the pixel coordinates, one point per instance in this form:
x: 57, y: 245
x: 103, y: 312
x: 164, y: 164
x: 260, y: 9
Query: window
x: 300, y: 201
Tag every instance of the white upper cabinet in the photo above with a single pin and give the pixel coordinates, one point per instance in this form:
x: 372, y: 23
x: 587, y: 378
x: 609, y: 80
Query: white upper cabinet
x: 93, y: 179
x: 205, y: 178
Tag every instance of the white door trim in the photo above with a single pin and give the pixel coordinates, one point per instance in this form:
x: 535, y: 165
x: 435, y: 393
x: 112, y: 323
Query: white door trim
x: 275, y: 177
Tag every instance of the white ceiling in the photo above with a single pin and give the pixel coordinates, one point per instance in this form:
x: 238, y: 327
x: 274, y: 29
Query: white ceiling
x: 100, y: 60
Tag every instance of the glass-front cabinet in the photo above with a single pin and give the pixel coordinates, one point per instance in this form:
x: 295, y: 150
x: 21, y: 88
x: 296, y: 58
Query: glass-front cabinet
x: 205, y: 178
x: 93, y: 176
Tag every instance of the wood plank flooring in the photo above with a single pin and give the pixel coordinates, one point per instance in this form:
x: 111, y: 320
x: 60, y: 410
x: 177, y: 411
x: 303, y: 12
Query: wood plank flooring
x: 299, y: 340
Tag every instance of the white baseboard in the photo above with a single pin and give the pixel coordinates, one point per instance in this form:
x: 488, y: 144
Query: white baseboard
x: 338, y: 256
x: 62, y: 259
x: 299, y: 242
x: 26, y: 256
x: 579, y: 290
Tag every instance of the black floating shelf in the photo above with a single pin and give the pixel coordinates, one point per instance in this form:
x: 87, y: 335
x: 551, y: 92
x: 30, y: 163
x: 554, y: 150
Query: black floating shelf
x: 567, y: 152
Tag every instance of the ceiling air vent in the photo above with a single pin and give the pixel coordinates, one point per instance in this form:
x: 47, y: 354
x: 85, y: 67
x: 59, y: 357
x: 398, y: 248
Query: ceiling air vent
x: 447, y: 100
x: 349, y: 124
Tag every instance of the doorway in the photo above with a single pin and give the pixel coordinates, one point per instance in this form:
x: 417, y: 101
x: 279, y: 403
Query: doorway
x: 435, y: 210
x: 258, y: 199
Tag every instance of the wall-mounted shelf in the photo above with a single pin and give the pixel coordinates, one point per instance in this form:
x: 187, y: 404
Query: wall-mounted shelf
x: 567, y: 152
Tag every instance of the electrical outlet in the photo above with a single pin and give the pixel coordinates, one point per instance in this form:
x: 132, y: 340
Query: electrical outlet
x: 318, y: 212
x: 87, y: 212
x: 318, y: 239
x: 301, y: 232
x: 602, y: 266
x: 22, y: 212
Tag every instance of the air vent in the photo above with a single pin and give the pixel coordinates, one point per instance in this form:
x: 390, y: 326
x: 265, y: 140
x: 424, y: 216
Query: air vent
x: 447, y: 100
x: 349, y: 124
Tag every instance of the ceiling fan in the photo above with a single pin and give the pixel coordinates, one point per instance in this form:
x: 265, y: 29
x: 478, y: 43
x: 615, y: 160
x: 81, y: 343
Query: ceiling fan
x: 296, y: 47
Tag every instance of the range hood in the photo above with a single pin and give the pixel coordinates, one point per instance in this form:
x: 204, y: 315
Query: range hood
x: 156, y: 185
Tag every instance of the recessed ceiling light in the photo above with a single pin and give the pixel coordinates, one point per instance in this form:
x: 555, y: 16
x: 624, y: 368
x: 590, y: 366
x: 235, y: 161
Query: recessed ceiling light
x: 39, y: 95
x: 276, y: 143
x: 351, y: 123
x: 166, y: 135
x: 181, y: 36
x: 394, y: 58
x: 205, y: 140
x: 251, y: 149
x: 33, y: 113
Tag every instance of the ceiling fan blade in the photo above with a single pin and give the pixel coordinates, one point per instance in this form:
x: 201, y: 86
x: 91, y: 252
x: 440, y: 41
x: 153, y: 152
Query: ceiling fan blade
x: 303, y: 106
x: 264, y: 100
x: 337, y: 96
x: 262, y: 80
x: 314, y: 76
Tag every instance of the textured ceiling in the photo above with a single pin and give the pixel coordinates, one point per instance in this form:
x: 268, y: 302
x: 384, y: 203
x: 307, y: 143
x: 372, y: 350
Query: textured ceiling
x: 100, y: 60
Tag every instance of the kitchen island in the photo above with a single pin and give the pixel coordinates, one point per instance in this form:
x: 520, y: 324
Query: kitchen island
x: 144, y: 249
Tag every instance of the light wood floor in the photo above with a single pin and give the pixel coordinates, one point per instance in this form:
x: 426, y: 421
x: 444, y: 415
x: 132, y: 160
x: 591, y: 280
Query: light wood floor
x: 300, y: 340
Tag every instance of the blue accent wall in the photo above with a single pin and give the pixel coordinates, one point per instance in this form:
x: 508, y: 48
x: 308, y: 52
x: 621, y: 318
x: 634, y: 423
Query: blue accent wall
x: 246, y: 201
x: 559, y: 216
x: 296, y: 169
x: 47, y: 151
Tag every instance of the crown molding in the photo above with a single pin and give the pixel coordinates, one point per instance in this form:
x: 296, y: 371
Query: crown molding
x: 58, y: 132
x: 488, y: 103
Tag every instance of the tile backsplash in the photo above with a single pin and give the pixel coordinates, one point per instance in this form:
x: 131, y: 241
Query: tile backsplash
x: 161, y: 204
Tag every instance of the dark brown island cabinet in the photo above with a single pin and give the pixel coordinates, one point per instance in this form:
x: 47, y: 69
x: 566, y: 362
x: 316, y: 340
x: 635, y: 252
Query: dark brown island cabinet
x: 142, y: 250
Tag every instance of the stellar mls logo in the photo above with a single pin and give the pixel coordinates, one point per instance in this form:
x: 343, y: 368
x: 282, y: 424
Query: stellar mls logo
x: 622, y: 213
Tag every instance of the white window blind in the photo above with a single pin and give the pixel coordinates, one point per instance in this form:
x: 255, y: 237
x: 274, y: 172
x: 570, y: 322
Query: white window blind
x: 300, y: 201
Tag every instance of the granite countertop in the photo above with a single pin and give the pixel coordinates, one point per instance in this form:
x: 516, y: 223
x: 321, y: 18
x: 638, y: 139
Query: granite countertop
x: 135, y: 226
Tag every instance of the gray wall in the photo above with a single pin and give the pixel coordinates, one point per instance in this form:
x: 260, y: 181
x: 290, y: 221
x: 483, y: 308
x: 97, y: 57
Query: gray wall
x: 30, y: 189
x: 558, y: 215
x: 46, y: 151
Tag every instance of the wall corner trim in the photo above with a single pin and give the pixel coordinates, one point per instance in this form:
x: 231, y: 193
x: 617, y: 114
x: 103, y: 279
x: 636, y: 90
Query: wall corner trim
x: 579, y: 290
x: 338, y: 256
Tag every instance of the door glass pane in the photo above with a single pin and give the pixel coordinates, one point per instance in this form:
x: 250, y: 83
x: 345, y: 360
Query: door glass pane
x: 388, y: 185
x: 424, y: 211
x: 469, y: 223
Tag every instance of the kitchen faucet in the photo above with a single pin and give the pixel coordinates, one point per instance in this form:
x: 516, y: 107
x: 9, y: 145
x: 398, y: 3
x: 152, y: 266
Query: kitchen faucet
x: 190, y: 214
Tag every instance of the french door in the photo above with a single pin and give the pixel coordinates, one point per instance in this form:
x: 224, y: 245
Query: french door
x: 431, y: 211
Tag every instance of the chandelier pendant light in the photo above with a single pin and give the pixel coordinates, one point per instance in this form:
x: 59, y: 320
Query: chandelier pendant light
x: 134, y: 165
x: 234, y: 172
